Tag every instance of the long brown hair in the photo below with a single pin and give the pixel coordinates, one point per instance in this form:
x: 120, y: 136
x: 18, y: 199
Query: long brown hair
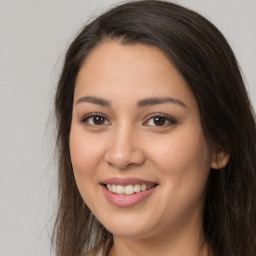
x: 203, y: 57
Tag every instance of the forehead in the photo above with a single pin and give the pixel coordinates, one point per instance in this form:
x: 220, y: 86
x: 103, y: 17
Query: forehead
x: 135, y: 71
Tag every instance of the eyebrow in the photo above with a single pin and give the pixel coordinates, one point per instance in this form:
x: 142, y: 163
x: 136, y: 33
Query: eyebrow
x: 157, y: 101
x: 95, y: 100
x: 141, y: 103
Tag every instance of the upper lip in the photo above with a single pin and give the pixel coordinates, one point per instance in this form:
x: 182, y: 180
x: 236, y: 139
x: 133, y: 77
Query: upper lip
x: 126, y: 181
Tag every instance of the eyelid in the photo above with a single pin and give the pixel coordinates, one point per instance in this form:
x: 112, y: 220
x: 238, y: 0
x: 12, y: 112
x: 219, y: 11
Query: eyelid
x: 171, y: 120
x: 86, y: 117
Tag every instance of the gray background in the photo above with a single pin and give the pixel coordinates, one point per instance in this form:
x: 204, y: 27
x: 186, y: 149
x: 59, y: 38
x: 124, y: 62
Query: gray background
x: 33, y: 38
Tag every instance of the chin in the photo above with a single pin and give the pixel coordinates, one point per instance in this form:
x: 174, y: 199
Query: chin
x: 128, y: 227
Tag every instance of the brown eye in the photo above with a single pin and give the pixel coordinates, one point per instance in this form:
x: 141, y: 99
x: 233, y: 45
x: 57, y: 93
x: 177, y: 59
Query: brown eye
x: 98, y: 120
x: 95, y: 120
x: 159, y: 121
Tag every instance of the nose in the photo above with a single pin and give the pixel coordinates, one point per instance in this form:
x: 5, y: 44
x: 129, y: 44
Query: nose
x: 124, y: 150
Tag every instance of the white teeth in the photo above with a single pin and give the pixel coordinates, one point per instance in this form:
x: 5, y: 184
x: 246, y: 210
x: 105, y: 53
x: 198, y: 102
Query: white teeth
x: 113, y: 188
x: 137, y: 188
x: 119, y: 189
x: 129, y: 189
x: 143, y: 187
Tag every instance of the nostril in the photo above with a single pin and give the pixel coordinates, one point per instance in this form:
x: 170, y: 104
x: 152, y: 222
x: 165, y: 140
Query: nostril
x: 124, y: 154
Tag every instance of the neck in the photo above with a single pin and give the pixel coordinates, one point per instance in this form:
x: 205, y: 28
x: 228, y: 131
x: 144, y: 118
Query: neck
x: 155, y: 247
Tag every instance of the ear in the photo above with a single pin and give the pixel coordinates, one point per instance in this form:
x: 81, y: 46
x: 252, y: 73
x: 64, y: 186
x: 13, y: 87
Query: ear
x: 219, y: 159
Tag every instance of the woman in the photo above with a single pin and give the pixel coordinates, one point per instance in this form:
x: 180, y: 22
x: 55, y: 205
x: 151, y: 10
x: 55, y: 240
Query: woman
x: 156, y: 139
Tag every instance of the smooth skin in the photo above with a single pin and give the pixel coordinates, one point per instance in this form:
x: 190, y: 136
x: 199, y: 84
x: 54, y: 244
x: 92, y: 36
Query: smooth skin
x: 117, y: 130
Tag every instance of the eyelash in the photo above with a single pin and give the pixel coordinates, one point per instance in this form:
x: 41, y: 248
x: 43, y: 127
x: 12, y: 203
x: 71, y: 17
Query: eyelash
x: 85, y: 119
x: 166, y: 118
x: 170, y: 120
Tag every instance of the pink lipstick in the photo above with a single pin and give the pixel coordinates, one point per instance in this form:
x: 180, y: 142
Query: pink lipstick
x: 126, y: 192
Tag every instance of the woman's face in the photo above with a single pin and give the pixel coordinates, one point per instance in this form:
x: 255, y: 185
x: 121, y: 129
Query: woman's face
x: 138, y: 151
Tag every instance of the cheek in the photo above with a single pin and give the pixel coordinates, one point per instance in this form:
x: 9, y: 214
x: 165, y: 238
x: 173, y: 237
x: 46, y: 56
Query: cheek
x: 85, y: 152
x: 184, y: 162
x: 85, y: 155
x: 182, y: 152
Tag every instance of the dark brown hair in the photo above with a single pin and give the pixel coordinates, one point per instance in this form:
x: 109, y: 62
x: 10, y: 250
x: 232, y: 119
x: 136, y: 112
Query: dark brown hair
x: 203, y: 57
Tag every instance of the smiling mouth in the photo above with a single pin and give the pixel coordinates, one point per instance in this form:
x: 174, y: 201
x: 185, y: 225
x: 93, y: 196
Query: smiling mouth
x: 128, y: 189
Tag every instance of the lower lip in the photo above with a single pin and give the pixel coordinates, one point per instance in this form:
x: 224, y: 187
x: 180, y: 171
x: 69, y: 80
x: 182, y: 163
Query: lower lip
x: 126, y: 200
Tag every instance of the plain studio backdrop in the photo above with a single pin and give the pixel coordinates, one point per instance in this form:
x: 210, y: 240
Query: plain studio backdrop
x: 34, y: 36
